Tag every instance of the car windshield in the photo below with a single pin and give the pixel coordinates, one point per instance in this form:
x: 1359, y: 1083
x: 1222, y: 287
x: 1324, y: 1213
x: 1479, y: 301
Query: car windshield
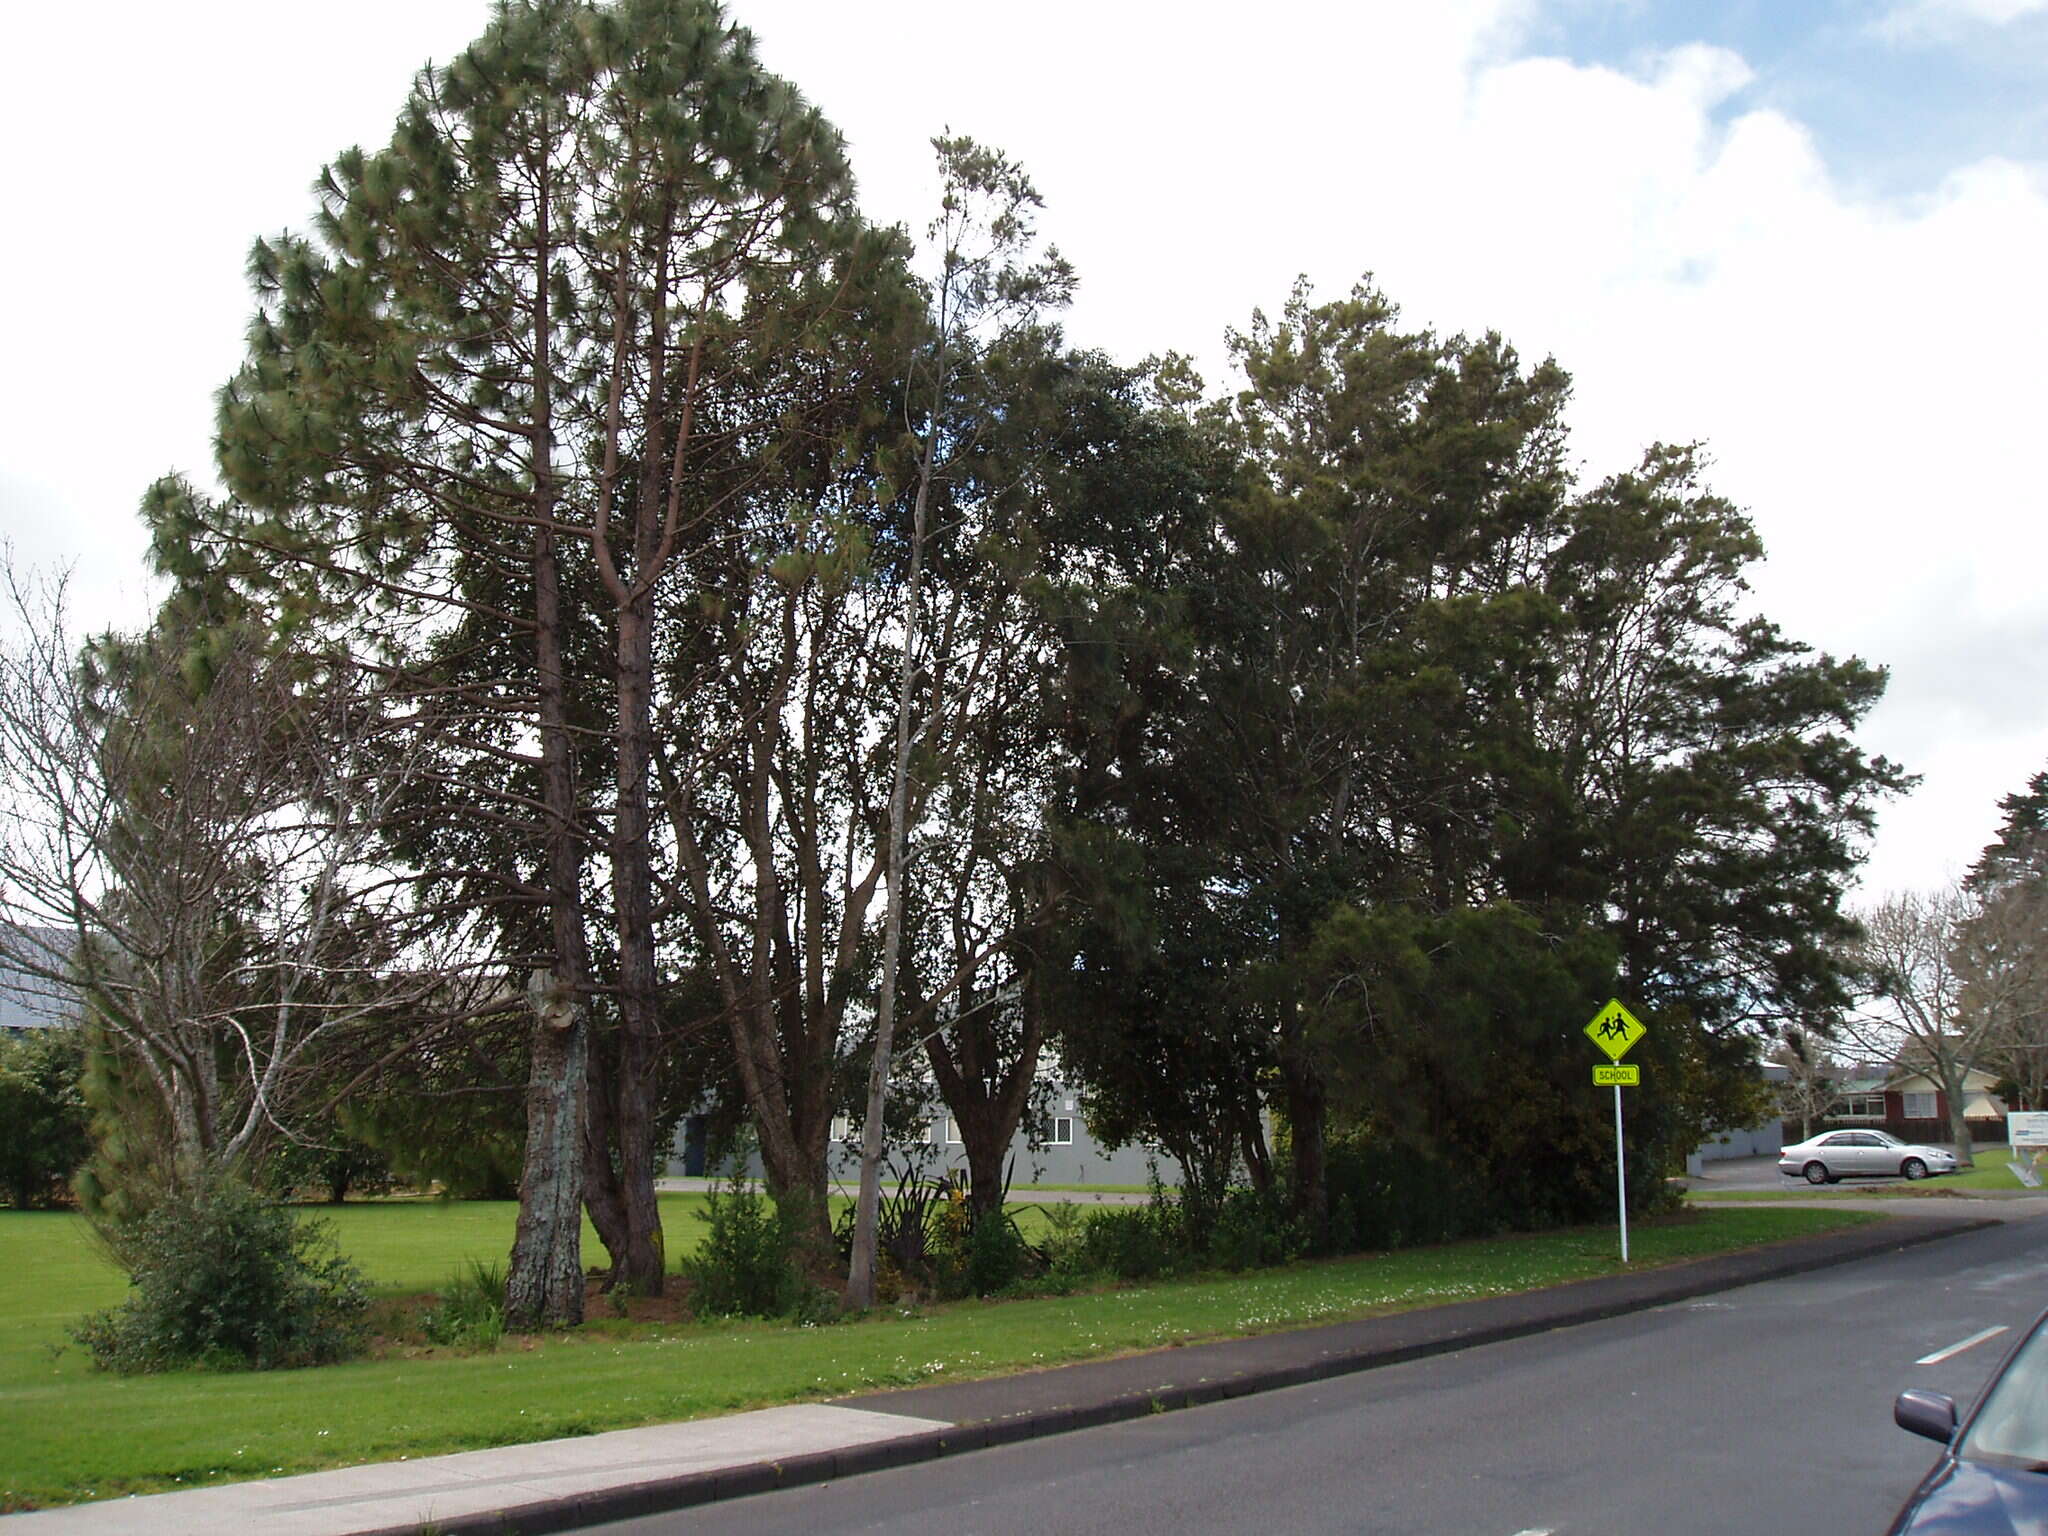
x: 2012, y: 1425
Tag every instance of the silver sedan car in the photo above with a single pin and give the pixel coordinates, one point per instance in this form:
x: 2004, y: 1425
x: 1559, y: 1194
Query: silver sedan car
x: 1862, y: 1154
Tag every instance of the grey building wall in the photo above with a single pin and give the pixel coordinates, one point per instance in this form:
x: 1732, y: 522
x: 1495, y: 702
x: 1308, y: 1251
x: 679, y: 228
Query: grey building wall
x: 1758, y: 1141
x: 29, y: 1003
x: 1077, y: 1159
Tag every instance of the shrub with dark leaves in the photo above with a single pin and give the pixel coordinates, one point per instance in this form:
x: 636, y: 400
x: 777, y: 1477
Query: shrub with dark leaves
x: 746, y: 1265
x: 225, y: 1279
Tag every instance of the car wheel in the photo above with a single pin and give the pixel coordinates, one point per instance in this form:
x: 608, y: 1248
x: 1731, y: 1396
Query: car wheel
x: 1817, y: 1173
x: 1913, y: 1168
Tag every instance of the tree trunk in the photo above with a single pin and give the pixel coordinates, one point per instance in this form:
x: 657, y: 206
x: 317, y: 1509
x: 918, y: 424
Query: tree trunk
x: 985, y: 1136
x: 1956, y: 1086
x: 987, y: 1098
x: 641, y: 1265
x: 1303, y: 1087
x: 603, y: 1193
x: 860, y: 1279
x: 1258, y: 1162
x: 545, y: 1286
x: 546, y: 1279
x: 795, y: 1169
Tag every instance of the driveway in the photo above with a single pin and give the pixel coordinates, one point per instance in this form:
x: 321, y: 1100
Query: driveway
x: 1751, y: 1174
x: 1747, y: 1173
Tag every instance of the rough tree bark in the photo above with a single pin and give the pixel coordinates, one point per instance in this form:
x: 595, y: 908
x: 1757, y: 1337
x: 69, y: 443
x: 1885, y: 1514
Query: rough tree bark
x: 545, y: 1286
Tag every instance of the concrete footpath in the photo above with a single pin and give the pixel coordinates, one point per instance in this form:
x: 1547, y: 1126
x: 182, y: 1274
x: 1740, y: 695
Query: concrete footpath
x: 560, y: 1485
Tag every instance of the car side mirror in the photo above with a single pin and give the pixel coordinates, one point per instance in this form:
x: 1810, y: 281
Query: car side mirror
x: 1932, y: 1414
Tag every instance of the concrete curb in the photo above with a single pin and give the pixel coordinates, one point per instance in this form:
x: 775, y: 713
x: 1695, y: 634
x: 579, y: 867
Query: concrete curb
x: 1306, y: 1355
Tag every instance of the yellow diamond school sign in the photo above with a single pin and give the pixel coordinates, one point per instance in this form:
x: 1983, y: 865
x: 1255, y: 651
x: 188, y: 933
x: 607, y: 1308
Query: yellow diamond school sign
x: 1615, y: 1030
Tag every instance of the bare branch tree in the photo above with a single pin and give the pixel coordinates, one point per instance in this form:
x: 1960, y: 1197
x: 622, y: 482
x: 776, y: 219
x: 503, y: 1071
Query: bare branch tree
x: 1917, y: 1013
x: 1810, y: 1089
x: 191, y: 847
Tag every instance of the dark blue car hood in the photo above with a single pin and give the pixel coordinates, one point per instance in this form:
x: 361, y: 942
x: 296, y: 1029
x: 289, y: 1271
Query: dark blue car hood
x: 1970, y: 1499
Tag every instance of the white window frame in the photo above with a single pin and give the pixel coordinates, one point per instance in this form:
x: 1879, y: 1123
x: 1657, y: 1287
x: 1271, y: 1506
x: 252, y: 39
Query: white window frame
x: 1850, y: 1111
x: 1908, y: 1101
x: 952, y: 1132
x: 1060, y: 1133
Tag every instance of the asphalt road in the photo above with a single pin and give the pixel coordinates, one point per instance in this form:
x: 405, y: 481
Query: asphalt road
x: 1761, y: 1409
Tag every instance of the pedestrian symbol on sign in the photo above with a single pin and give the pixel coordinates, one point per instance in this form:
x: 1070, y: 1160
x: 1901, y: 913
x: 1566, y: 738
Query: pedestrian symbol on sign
x: 1614, y: 1029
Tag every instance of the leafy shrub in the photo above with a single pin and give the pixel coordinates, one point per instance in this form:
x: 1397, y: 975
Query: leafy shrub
x: 1135, y: 1242
x: 225, y: 1279
x: 1064, y: 1224
x: 471, y: 1311
x: 1398, y: 1197
x: 43, y: 1116
x: 996, y: 1257
x: 1253, y: 1231
x: 1064, y: 1252
x: 745, y: 1266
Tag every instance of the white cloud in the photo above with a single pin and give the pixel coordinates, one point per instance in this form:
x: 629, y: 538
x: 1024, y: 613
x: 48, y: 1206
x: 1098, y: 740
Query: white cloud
x: 1862, y: 370
x: 1935, y: 20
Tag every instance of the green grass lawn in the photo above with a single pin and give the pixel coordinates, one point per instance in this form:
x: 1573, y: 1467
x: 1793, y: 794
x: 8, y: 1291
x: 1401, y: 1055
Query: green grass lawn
x: 71, y: 1433
x: 1990, y: 1175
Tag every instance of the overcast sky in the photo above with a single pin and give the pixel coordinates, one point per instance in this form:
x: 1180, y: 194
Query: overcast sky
x: 1811, y: 233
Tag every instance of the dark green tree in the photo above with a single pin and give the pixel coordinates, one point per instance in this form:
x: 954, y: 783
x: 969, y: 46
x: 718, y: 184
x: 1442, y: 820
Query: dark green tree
x: 43, y: 1117
x: 480, y: 390
x: 2003, y: 944
x: 2020, y: 851
x: 1428, y: 690
x: 1367, y: 643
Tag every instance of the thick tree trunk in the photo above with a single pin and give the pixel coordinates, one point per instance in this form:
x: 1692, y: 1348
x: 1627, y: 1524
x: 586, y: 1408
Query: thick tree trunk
x: 1258, y: 1162
x: 603, y: 1192
x: 1302, y: 1086
x: 1957, y: 1088
x: 986, y: 1097
x: 641, y: 1265
x: 546, y: 1279
x: 545, y: 1286
x: 985, y: 1135
x: 793, y: 1157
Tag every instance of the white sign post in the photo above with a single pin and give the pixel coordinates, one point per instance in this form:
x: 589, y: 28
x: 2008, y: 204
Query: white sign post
x: 2026, y: 1131
x: 1615, y: 1030
x: 1620, y: 1174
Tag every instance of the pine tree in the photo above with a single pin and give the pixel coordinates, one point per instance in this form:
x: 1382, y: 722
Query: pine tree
x: 475, y: 402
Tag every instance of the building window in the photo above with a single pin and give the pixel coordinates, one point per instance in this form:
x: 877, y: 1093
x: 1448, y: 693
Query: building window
x: 842, y: 1127
x: 1863, y: 1106
x: 952, y: 1132
x: 1918, y: 1106
x: 1062, y: 1132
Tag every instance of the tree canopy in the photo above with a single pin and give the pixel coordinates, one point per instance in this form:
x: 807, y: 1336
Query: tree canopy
x: 778, y: 653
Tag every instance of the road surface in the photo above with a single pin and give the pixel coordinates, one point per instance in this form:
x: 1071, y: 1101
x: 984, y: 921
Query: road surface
x: 1761, y: 1409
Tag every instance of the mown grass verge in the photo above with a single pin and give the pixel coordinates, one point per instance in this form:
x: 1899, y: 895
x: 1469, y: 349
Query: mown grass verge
x: 72, y: 1434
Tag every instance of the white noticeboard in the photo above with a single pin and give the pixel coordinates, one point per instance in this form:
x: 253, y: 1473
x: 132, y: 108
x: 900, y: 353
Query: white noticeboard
x: 2027, y: 1128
